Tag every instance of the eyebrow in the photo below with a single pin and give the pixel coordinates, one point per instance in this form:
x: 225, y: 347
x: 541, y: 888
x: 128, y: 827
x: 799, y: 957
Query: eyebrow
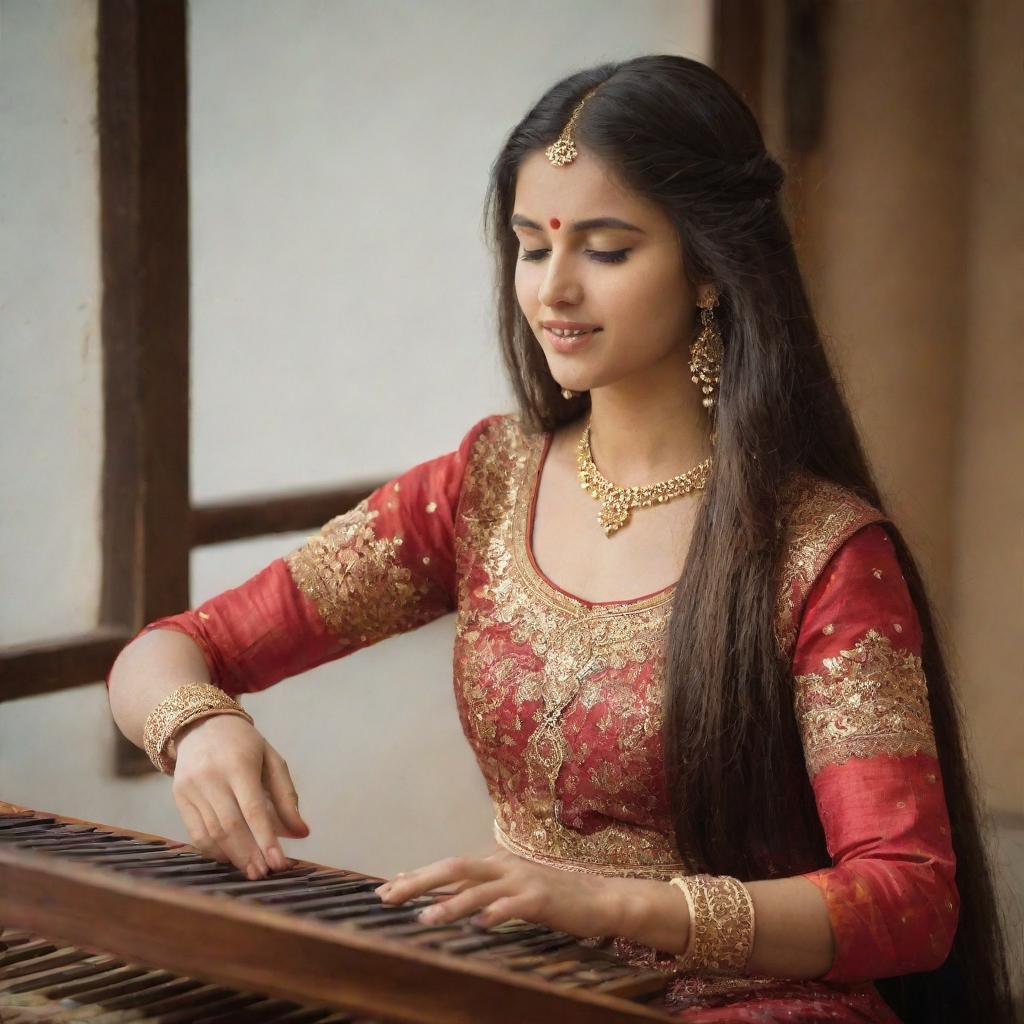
x: 518, y: 220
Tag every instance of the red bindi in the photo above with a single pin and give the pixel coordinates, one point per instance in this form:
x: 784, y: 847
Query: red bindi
x: 555, y: 222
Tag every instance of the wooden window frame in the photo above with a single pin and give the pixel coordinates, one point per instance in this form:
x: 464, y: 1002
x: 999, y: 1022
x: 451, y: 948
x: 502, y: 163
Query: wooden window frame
x: 148, y: 524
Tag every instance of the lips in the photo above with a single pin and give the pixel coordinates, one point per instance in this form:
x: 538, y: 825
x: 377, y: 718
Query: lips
x: 568, y: 345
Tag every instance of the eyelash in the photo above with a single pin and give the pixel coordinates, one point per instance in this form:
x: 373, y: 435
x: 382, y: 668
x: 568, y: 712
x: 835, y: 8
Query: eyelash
x: 618, y: 256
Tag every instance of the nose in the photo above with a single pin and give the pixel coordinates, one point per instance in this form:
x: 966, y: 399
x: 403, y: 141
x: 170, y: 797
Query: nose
x: 559, y: 285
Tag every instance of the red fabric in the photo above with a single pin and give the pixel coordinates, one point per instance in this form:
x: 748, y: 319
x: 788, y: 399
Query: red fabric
x: 891, y: 893
x: 266, y: 629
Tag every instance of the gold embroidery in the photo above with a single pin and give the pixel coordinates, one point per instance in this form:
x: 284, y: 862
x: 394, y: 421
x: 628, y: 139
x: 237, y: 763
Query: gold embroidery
x: 431, y: 506
x: 580, y: 657
x: 628, y: 865
x: 703, y: 985
x: 820, y: 515
x: 829, y: 629
x: 535, y: 666
x: 356, y: 581
x: 873, y: 700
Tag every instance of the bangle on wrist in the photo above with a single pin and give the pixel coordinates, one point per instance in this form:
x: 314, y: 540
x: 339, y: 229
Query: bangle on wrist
x: 187, y: 704
x: 721, y: 923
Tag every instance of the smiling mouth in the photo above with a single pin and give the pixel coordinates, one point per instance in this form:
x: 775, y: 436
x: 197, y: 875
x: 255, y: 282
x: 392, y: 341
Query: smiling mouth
x: 569, y: 342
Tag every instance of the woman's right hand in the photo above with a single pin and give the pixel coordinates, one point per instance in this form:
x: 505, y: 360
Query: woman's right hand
x: 235, y: 794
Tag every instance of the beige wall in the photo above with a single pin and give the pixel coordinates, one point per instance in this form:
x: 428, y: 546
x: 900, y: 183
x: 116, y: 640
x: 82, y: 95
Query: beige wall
x: 988, y: 514
x: 51, y: 422
x: 911, y: 227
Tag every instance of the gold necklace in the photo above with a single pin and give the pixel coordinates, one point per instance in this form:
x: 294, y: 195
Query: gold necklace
x: 618, y: 502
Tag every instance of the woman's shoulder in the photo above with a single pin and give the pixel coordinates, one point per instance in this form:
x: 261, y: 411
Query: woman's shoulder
x: 816, y: 511
x: 818, y: 516
x: 500, y: 435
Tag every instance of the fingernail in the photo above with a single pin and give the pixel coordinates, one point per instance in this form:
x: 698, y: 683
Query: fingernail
x: 277, y: 859
x: 252, y: 872
x: 430, y: 914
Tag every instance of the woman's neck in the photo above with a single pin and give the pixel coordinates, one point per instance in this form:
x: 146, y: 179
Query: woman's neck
x: 640, y: 435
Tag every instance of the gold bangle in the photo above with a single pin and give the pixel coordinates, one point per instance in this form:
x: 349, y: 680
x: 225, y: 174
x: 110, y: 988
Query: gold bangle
x: 721, y: 923
x: 188, y: 703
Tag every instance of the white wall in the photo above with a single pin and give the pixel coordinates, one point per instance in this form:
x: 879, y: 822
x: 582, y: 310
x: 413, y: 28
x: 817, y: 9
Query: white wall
x: 342, y: 328
x: 50, y: 412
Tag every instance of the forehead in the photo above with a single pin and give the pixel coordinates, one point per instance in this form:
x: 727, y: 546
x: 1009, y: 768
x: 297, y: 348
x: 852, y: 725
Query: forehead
x: 587, y: 187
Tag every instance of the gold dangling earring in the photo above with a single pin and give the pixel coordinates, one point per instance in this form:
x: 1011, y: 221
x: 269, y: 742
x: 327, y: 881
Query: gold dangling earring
x: 706, y: 353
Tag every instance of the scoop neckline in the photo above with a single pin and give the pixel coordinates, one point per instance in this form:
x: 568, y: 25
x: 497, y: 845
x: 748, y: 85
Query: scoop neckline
x: 536, y: 470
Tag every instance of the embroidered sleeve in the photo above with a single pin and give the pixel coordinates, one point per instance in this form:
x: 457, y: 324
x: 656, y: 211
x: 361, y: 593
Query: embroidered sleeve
x: 384, y: 567
x: 861, y: 701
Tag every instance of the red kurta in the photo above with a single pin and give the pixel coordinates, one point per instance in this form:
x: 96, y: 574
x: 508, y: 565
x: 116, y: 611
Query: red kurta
x: 560, y: 698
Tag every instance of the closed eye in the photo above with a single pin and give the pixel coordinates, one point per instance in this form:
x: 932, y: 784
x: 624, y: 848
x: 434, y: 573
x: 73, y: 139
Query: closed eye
x: 601, y: 256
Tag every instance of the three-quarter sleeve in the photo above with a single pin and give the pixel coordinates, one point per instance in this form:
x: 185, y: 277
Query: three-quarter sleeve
x: 861, y: 701
x: 384, y: 567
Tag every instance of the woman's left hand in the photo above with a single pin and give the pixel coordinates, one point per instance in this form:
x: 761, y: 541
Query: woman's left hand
x: 502, y: 886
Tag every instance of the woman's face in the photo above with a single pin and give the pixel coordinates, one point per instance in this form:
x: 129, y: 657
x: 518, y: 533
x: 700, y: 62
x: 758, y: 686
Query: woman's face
x: 625, y: 280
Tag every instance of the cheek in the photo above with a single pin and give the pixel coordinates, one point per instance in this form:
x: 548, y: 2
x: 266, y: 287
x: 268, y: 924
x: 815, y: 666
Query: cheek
x: 653, y: 295
x: 648, y: 311
x: 635, y: 302
x: 526, y: 291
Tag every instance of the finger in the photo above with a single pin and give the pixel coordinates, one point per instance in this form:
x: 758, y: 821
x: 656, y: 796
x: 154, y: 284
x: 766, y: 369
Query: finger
x: 254, y: 805
x: 279, y: 784
x: 518, y: 907
x: 468, y: 902
x: 280, y: 828
x: 469, y: 870
x: 211, y: 826
x: 231, y: 832
x: 198, y: 836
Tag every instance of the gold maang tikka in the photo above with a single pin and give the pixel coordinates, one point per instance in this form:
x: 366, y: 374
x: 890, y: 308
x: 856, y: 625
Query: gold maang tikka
x: 563, y: 150
x: 706, y: 353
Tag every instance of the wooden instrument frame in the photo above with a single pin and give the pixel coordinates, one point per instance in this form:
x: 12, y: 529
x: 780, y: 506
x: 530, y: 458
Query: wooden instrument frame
x: 155, y: 925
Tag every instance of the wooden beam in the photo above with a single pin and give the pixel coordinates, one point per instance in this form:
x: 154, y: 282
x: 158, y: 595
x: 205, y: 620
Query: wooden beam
x: 803, y: 81
x: 142, y: 84
x: 27, y: 670
x: 224, y: 521
x: 143, y: 142
x: 738, y: 47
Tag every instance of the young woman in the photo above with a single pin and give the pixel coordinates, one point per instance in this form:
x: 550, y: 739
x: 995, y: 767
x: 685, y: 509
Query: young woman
x: 694, y: 657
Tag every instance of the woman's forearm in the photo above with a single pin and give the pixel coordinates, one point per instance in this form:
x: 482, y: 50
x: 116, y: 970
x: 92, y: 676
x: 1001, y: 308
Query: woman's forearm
x: 149, y: 669
x: 792, y: 934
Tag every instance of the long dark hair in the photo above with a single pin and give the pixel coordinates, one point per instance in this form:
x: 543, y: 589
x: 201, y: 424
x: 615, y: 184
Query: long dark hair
x: 678, y: 134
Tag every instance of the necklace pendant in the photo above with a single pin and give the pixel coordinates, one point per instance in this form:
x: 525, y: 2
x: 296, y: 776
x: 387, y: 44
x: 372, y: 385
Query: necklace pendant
x: 617, y: 503
x: 612, y: 517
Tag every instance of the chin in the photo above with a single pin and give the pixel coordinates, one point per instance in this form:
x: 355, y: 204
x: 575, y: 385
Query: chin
x: 574, y: 381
